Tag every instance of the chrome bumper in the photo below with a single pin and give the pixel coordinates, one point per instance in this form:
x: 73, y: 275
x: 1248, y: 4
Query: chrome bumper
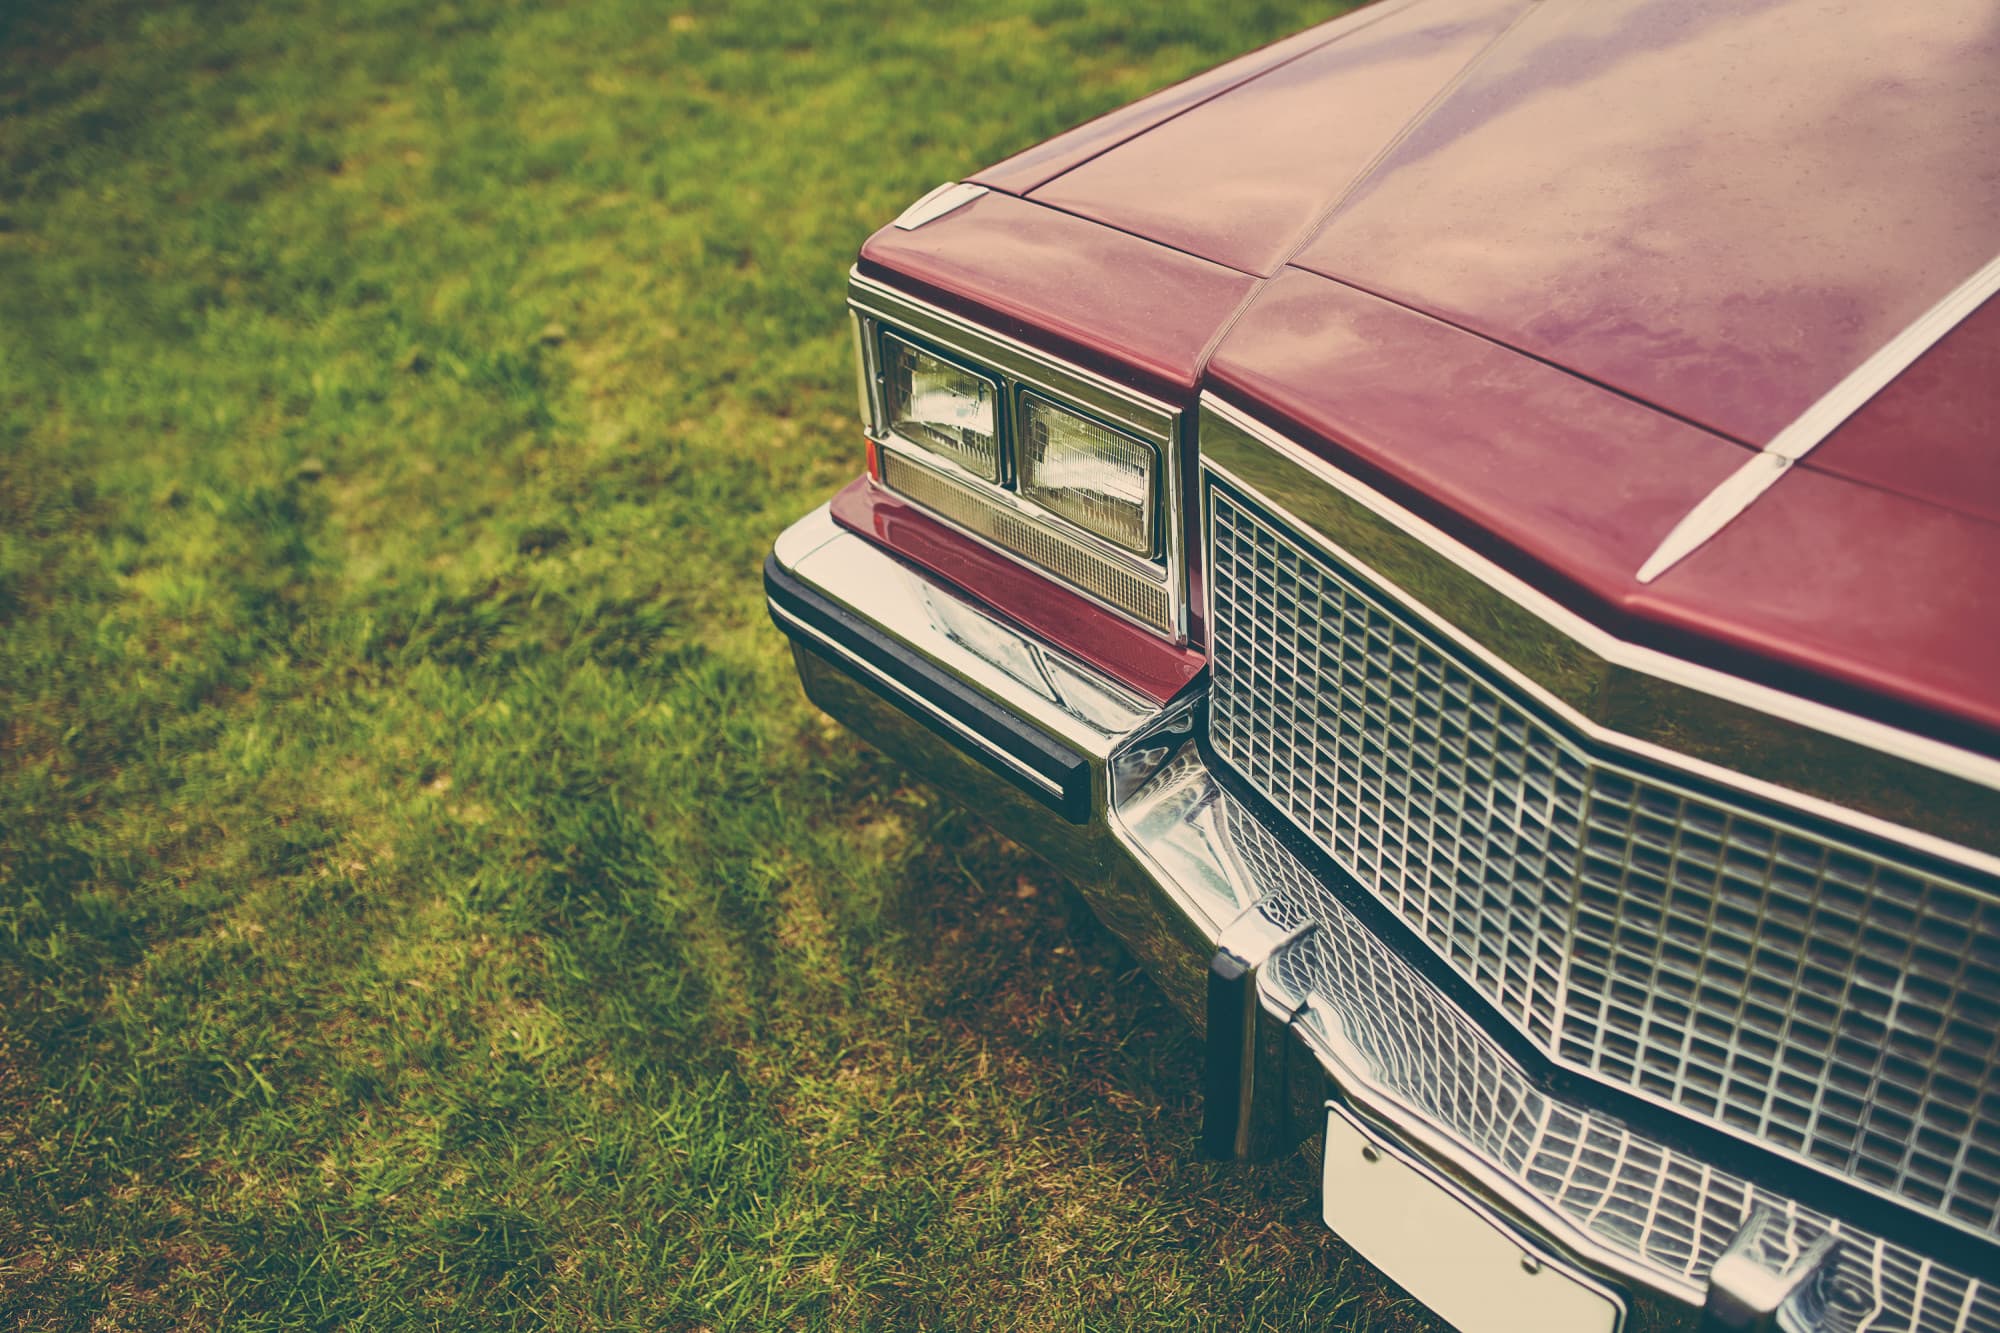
x: 1299, y: 1015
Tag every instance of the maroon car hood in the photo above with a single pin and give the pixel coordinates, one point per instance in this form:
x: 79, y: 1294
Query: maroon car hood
x: 1712, y: 210
x: 1718, y: 208
x: 1863, y: 598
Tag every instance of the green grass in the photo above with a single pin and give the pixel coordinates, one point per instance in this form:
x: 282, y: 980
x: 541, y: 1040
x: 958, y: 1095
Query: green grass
x: 425, y: 898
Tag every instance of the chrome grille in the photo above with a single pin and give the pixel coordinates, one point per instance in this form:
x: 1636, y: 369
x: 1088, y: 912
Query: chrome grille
x: 1837, y: 1003
x: 1663, y: 1208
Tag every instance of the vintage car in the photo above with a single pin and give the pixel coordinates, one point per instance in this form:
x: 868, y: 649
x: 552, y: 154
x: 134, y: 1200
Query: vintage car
x: 1473, y: 535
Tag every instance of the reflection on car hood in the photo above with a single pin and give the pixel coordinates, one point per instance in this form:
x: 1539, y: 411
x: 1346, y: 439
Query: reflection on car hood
x: 1717, y: 208
x: 1712, y: 210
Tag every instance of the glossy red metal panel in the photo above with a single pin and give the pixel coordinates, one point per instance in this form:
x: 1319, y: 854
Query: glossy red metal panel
x: 1243, y: 180
x: 1934, y: 433
x: 1719, y: 206
x: 1715, y: 208
x: 1117, y: 647
x: 1874, y: 601
x: 1567, y: 483
x: 1050, y: 158
x: 1867, y: 600
x: 1131, y: 309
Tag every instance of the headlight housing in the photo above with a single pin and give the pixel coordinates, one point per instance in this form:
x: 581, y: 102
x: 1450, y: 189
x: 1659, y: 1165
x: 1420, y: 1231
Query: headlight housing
x: 943, y: 407
x: 1049, y: 463
x: 1099, y: 478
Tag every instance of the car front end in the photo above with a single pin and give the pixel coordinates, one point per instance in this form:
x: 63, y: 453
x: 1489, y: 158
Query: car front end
x: 1629, y: 945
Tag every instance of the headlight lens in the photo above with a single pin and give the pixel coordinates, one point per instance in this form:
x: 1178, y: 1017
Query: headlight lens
x: 1089, y: 473
x: 943, y: 407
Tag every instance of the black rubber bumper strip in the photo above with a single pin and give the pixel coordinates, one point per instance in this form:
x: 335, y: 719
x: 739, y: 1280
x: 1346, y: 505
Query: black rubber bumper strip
x: 1052, y: 773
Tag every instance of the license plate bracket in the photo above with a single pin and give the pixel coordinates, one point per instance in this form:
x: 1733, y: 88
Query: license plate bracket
x: 1433, y: 1240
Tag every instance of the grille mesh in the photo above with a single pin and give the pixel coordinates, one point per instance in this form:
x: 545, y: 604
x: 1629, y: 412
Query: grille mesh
x: 1660, y: 1206
x: 1838, y: 1004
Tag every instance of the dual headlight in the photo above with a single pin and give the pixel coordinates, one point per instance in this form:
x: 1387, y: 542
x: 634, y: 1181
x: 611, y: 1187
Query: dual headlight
x: 1101, y: 479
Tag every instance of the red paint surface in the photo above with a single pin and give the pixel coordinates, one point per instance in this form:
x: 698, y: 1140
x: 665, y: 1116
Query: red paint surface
x: 1033, y: 166
x: 1143, y: 661
x: 1244, y: 179
x: 1873, y: 601
x: 1719, y: 207
x: 1869, y: 601
x: 1716, y: 206
x: 1934, y: 433
x: 1565, y: 482
x: 1133, y: 310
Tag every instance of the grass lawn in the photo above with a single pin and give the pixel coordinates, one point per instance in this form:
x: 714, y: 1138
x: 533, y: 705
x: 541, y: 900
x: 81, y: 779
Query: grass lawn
x: 425, y: 897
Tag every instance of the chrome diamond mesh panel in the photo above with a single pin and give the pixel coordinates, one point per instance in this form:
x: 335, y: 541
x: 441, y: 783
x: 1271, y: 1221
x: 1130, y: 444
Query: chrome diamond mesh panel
x: 1839, y: 1004
x: 1659, y: 1206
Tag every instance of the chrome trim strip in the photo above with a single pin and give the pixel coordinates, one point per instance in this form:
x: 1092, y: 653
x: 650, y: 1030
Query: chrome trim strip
x: 1910, y: 789
x: 1026, y: 510
x: 864, y: 369
x: 1065, y: 698
x: 1741, y: 488
x: 1715, y: 511
x: 1026, y: 368
x: 938, y: 202
x: 1018, y: 504
x: 1127, y: 408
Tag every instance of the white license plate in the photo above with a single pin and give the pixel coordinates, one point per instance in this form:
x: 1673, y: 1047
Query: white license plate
x: 1435, y: 1244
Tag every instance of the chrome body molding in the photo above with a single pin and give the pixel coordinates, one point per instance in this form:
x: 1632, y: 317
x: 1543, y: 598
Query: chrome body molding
x: 864, y: 392
x: 1028, y: 371
x: 1740, y: 489
x: 950, y: 495
x: 1073, y: 703
x: 934, y: 204
x: 1905, y: 788
x: 1177, y: 864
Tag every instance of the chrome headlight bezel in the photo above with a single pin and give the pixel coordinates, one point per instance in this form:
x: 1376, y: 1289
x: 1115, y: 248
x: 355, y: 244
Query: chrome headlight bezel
x: 1086, y: 562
